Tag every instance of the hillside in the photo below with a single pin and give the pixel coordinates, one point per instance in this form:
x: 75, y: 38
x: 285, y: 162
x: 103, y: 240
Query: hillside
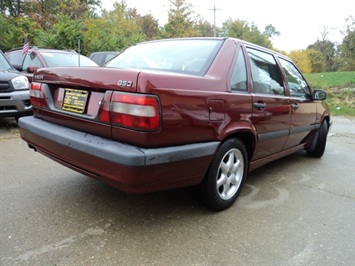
x: 340, y: 87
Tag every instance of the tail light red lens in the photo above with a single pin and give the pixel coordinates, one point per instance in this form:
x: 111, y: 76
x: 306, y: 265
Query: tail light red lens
x: 104, y: 111
x: 36, y: 94
x: 136, y: 111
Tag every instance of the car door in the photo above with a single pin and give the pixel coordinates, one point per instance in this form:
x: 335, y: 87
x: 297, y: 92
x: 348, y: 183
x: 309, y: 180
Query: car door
x: 271, y: 106
x: 303, y: 108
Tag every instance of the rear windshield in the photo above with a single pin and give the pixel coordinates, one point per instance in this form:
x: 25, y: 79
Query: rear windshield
x: 183, y: 56
x: 55, y: 59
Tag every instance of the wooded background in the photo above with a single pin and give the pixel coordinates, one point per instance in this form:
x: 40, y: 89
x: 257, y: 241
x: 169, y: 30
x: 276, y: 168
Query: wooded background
x: 61, y: 24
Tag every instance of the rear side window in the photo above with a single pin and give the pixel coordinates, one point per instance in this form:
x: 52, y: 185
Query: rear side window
x: 297, y: 85
x: 266, y: 73
x: 239, y: 76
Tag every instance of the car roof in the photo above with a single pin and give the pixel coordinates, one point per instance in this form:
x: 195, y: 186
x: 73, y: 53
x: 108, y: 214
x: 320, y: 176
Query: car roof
x: 41, y: 49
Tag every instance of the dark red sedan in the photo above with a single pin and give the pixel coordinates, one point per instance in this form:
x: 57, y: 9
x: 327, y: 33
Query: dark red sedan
x: 173, y: 113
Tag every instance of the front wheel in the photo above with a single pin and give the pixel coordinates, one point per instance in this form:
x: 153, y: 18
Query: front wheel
x: 320, y: 142
x: 226, y: 175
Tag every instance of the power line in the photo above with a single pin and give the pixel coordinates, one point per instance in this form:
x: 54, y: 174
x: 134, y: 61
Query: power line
x: 214, y: 19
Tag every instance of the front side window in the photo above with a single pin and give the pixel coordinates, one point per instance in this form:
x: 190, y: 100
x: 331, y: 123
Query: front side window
x: 266, y: 74
x: 4, y: 65
x: 31, y: 59
x: 15, y: 57
x: 297, y: 85
x: 183, y: 56
x: 239, y: 76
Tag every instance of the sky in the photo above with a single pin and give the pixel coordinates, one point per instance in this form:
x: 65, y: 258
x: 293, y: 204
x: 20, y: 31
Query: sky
x: 300, y: 22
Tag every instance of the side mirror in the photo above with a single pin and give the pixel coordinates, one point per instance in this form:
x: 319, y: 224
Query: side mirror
x: 32, y: 69
x: 319, y: 95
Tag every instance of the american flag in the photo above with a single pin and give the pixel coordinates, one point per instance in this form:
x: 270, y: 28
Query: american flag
x: 25, y: 46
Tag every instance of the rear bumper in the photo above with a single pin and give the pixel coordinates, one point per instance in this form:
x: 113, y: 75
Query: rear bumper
x: 127, y: 167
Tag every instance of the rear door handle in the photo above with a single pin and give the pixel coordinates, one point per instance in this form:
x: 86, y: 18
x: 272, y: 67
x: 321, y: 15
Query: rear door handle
x: 294, y: 106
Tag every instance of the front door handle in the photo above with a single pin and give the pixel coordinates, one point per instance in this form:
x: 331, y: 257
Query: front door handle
x: 294, y: 106
x: 259, y: 105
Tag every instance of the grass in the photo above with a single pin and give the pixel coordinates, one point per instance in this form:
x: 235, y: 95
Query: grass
x: 340, y: 87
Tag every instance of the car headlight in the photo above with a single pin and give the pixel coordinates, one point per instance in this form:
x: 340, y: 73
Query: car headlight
x: 20, y: 83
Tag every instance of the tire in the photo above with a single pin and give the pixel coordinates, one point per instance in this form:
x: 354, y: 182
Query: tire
x: 226, y: 176
x: 318, y: 149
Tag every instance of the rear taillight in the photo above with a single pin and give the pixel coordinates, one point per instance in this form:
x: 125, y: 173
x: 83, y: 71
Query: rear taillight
x: 136, y: 111
x: 37, y: 96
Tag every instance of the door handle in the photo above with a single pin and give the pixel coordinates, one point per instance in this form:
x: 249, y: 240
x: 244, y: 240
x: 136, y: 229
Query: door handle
x: 259, y: 105
x: 294, y: 106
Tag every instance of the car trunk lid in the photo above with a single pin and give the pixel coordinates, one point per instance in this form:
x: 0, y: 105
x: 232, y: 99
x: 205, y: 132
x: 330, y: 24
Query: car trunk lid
x: 86, y: 98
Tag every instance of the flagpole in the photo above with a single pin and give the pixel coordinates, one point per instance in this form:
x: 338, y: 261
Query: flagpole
x: 79, y: 52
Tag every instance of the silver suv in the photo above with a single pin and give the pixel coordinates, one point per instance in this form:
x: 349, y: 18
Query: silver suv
x: 14, y: 91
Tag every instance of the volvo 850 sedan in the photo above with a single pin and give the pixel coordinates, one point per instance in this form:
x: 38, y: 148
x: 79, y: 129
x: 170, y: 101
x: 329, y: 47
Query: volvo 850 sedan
x: 174, y: 113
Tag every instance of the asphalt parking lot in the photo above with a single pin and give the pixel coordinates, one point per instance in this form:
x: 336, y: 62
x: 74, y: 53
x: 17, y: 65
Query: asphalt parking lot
x: 294, y: 211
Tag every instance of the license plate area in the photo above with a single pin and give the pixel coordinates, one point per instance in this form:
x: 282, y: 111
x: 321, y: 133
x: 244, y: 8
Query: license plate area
x: 75, y: 100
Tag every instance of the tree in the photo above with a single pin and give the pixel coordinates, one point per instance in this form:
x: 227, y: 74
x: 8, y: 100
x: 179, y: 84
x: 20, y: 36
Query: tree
x: 115, y: 30
x: 308, y: 61
x: 15, y: 29
x: 180, y: 20
x: 327, y: 48
x: 300, y: 58
x: 203, y: 28
x: 11, y: 8
x: 271, y: 31
x: 64, y: 34
x: 149, y: 25
x: 347, y: 48
x: 316, y: 61
x: 241, y: 29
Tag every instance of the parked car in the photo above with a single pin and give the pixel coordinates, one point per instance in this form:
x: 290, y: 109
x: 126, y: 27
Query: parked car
x: 174, y: 113
x: 102, y: 57
x: 40, y: 57
x: 14, y: 91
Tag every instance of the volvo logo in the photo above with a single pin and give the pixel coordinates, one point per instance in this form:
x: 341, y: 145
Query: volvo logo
x: 125, y: 83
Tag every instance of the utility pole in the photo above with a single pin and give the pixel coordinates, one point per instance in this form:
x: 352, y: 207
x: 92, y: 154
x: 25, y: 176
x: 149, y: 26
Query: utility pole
x: 214, y: 19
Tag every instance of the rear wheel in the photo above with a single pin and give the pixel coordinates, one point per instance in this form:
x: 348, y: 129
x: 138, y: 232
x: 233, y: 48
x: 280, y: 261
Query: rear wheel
x: 226, y: 175
x: 320, y: 142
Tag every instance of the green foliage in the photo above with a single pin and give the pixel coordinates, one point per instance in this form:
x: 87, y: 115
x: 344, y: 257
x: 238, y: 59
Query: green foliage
x: 347, y: 48
x: 65, y: 34
x: 14, y: 31
x: 300, y: 58
x: 309, y: 60
x: 316, y: 61
x: 271, y: 31
x: 340, y: 87
x: 241, y: 29
x: 61, y: 23
x: 327, y: 49
x: 149, y: 26
x: 180, y: 21
x: 203, y: 28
